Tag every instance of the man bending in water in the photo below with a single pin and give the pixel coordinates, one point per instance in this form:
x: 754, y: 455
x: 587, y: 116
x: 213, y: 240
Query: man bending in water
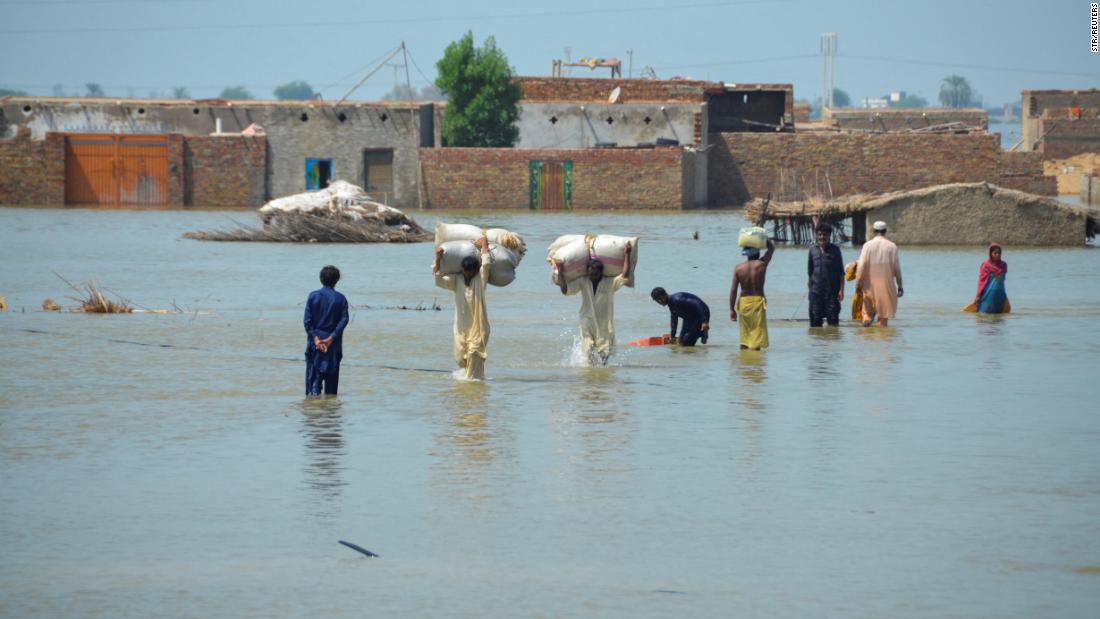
x: 749, y: 276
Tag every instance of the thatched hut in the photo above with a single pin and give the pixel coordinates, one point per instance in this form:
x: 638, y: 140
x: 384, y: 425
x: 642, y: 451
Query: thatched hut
x: 954, y: 214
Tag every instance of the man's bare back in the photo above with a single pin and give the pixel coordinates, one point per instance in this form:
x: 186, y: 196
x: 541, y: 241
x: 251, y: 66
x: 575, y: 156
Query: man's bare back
x: 749, y: 276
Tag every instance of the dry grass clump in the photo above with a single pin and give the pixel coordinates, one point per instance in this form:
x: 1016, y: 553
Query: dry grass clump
x: 49, y: 305
x: 93, y: 301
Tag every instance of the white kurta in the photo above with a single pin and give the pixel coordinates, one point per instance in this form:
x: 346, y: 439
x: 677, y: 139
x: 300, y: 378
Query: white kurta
x: 471, y: 326
x: 597, y: 315
x: 877, y: 272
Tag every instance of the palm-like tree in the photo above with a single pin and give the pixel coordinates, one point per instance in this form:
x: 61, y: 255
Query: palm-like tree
x: 955, y: 91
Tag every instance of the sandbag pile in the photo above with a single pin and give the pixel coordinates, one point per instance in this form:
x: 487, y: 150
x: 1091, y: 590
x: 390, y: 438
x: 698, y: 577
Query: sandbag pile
x: 575, y: 250
x: 506, y: 250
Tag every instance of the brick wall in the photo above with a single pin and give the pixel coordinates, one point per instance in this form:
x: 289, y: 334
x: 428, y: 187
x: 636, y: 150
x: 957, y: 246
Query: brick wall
x: 904, y: 119
x: 224, y: 170
x: 1063, y: 138
x: 32, y: 172
x: 486, y: 178
x: 579, y: 89
x: 1023, y: 171
x: 743, y: 166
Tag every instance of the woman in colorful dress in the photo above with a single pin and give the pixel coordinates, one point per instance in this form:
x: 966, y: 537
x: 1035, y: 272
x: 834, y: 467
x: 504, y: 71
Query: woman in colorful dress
x: 991, y: 297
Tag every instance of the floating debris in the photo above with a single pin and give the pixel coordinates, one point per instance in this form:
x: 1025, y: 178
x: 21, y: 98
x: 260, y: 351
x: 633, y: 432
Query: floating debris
x: 3, y: 304
x: 341, y: 213
x: 358, y: 548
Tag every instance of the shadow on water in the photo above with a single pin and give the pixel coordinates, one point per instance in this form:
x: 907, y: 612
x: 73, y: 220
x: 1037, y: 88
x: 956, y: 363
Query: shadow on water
x: 322, y: 430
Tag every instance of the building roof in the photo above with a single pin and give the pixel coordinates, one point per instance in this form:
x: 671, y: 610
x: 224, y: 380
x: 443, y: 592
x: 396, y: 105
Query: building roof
x: 312, y: 103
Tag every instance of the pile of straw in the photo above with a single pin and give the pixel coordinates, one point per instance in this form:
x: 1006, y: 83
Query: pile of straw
x: 321, y: 228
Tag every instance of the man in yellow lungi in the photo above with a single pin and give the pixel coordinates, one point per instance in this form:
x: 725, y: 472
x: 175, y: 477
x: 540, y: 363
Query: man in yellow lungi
x: 749, y: 276
x: 471, y: 326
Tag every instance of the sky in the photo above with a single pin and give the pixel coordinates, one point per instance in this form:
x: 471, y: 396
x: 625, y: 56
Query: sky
x: 146, y: 48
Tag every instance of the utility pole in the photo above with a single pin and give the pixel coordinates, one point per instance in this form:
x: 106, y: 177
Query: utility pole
x: 630, y: 69
x: 828, y: 68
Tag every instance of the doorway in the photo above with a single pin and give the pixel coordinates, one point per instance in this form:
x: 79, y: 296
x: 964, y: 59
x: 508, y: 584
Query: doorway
x: 378, y: 174
x: 318, y: 173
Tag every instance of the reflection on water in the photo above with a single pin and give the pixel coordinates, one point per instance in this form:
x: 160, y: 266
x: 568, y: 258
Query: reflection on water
x: 824, y: 364
x: 322, y: 426
x: 752, y: 370
x: 875, y: 358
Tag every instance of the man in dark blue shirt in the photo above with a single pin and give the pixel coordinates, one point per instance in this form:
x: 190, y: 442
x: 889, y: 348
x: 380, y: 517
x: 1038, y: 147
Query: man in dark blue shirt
x: 691, y: 308
x: 325, y: 318
x: 826, y: 279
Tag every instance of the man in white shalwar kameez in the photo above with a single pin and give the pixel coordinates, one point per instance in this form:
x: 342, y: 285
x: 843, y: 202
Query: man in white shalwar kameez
x: 471, y: 326
x: 597, y: 315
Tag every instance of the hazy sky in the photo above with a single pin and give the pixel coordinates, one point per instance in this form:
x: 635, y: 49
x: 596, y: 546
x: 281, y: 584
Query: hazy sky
x: 140, y: 47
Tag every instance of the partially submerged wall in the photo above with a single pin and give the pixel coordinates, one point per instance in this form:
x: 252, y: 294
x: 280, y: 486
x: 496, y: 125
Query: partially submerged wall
x: 489, y: 178
x: 32, y: 172
x: 295, y: 130
x: 224, y: 170
x: 976, y: 214
x: 743, y: 166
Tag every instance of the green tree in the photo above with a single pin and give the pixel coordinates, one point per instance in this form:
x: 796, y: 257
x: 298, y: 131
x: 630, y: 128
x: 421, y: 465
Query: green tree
x: 8, y: 92
x: 483, y: 100
x: 955, y: 91
x: 180, y: 92
x: 294, y: 91
x: 235, y: 92
x: 911, y: 100
x: 94, y: 89
x: 841, y: 98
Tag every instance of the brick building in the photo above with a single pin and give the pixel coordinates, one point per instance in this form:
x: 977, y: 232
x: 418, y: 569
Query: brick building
x: 175, y: 153
x: 1061, y: 123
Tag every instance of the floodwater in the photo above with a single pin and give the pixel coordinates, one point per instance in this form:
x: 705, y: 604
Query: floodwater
x: 168, y: 465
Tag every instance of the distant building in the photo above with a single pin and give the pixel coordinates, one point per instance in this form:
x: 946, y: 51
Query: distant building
x: 1060, y: 123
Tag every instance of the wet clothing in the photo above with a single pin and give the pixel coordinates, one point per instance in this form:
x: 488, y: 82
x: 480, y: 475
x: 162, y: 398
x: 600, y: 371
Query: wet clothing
x: 694, y: 312
x: 857, y: 296
x: 992, y: 297
x: 597, y: 314
x: 877, y: 273
x: 752, y: 315
x: 471, y: 325
x: 318, y: 382
x: 825, y: 269
x: 326, y: 314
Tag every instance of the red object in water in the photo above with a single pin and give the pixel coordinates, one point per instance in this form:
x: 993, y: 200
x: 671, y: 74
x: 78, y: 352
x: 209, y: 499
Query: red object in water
x: 660, y: 340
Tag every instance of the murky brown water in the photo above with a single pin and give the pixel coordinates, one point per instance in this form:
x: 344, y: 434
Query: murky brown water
x: 168, y: 465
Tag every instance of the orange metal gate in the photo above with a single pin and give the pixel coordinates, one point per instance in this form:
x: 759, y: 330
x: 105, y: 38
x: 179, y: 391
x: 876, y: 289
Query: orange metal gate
x: 116, y: 170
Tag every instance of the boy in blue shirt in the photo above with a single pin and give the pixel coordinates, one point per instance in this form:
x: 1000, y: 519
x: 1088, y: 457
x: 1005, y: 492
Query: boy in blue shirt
x: 325, y: 318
